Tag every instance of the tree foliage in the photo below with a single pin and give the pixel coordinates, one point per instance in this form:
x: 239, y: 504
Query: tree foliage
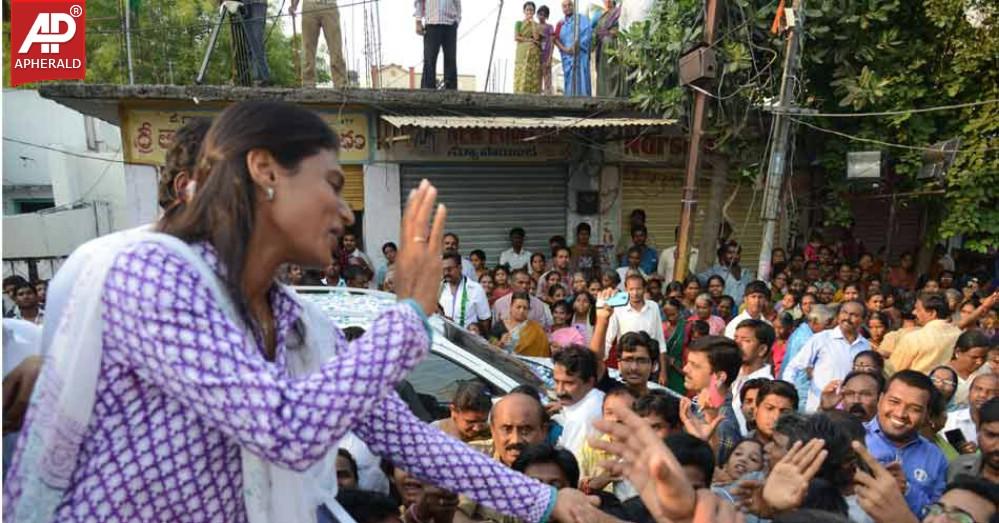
x: 858, y: 56
x: 169, y: 40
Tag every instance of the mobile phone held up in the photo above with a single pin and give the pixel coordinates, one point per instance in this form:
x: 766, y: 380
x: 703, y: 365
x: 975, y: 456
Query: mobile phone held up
x: 715, y: 399
x: 618, y: 300
x: 956, y: 438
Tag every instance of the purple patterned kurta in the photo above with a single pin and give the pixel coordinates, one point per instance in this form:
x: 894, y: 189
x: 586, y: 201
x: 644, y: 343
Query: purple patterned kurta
x: 180, y: 391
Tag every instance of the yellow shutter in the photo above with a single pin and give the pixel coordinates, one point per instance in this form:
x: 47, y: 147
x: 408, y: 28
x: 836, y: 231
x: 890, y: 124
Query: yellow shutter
x: 659, y: 191
x: 353, y: 187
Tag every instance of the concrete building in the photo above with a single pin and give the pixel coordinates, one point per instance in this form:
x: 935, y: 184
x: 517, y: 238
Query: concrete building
x: 394, y: 76
x: 63, y: 182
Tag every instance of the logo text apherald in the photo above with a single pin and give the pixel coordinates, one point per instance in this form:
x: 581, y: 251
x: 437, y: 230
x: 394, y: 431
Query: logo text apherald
x: 48, y: 40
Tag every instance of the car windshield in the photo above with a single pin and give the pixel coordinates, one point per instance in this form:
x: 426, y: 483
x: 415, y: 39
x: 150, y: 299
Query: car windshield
x: 479, y: 348
x: 358, y: 308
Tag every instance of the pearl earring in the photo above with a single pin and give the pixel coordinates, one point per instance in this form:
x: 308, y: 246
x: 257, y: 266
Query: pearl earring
x: 270, y: 194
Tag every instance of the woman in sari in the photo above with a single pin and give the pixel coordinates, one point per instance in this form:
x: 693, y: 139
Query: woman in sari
x: 676, y: 330
x: 183, y: 383
x: 611, y: 77
x: 527, y: 69
x: 519, y: 335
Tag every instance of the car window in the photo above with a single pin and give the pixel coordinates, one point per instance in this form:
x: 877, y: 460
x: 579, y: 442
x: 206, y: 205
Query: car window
x: 478, y: 347
x: 436, y: 378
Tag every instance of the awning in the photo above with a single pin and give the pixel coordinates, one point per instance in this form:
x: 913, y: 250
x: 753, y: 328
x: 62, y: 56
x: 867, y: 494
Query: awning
x: 520, y: 122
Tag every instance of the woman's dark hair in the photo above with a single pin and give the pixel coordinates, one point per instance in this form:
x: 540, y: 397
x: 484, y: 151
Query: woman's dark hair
x: 543, y: 10
x: 673, y: 302
x: 478, y: 252
x: 673, y: 286
x: 591, y: 317
x: 691, y: 279
x: 503, y: 268
x: 537, y: 255
x: 551, y: 290
x: 520, y: 295
x: 182, y: 156
x: 935, y: 302
x: 225, y: 208
x: 560, y: 304
x: 529, y: 3
x: 879, y: 360
x: 701, y: 327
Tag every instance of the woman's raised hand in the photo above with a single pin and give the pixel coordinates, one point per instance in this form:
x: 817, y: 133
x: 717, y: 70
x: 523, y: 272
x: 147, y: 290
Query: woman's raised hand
x: 418, y: 266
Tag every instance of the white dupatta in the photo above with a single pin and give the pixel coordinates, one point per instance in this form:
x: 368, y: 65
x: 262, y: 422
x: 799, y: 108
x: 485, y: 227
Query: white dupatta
x: 64, y: 397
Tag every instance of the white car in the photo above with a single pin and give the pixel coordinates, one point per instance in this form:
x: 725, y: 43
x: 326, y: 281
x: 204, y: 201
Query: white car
x: 456, y: 355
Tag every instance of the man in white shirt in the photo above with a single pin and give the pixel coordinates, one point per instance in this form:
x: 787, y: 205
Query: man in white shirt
x: 462, y: 300
x: 667, y: 259
x: 828, y: 355
x: 575, y: 375
x: 639, y: 315
x: 516, y: 257
x: 451, y: 246
x: 983, y: 388
x: 754, y: 338
x: 755, y: 300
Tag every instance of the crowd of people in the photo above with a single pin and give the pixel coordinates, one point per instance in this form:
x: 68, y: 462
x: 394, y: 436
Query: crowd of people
x: 841, y: 390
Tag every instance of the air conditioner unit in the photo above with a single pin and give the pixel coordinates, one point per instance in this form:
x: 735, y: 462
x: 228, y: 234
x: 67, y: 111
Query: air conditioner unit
x: 863, y: 165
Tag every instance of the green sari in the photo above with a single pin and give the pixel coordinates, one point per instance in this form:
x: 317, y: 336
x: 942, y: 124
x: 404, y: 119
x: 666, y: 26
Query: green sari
x: 674, y: 350
x: 527, y: 68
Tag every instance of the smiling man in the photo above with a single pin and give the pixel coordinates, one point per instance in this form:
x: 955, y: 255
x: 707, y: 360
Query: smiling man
x: 575, y: 375
x: 828, y: 355
x: 893, y: 435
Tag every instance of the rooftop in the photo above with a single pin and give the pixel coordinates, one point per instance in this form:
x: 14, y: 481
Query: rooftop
x: 103, y: 100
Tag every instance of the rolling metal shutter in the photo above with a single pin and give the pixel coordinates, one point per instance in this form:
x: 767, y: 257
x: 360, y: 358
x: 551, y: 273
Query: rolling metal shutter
x: 485, y: 202
x: 353, y: 186
x: 659, y: 192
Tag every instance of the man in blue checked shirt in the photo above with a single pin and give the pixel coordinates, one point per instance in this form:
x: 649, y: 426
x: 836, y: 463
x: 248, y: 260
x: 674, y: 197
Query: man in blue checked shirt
x: 893, y: 436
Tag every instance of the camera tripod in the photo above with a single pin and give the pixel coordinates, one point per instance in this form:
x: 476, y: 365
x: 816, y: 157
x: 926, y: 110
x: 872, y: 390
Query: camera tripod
x: 244, y: 55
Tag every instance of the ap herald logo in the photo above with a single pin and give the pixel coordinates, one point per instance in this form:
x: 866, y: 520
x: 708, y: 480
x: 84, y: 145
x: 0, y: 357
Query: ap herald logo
x: 48, y: 40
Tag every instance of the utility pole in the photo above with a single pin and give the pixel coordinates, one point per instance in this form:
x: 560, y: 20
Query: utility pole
x: 492, y: 49
x: 779, y: 149
x: 689, y: 201
x: 128, y: 42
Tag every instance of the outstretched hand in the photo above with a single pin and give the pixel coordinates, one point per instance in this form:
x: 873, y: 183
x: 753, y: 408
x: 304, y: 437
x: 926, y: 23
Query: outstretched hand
x: 877, y: 492
x: 788, y: 481
x: 418, y: 266
x: 695, y: 426
x: 644, y: 460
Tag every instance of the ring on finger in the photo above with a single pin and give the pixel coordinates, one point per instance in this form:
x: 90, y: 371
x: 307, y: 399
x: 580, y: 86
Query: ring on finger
x: 419, y: 239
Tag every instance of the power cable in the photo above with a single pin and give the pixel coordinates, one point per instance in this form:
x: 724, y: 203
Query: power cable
x: 883, y: 143
x: 890, y: 113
